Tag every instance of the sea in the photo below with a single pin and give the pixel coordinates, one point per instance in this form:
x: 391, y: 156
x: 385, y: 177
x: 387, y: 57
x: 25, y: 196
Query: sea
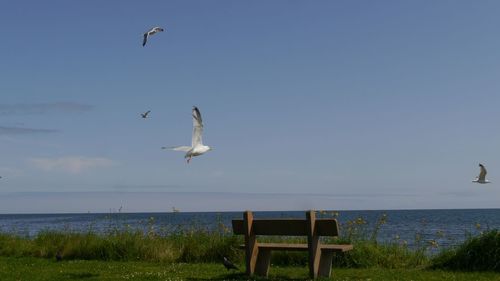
x: 415, y: 228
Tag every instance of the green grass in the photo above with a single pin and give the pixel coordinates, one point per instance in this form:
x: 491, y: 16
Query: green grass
x: 34, y: 269
x: 195, y: 254
x: 367, y: 254
x: 195, y: 245
x: 192, y: 247
x: 477, y: 253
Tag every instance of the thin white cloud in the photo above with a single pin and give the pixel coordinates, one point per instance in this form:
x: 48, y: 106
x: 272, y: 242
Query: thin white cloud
x: 42, y: 108
x: 71, y: 164
x: 24, y: 131
x: 10, y: 172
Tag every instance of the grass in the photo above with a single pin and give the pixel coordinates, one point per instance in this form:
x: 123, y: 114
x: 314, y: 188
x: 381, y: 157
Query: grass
x: 195, y: 254
x: 367, y: 254
x: 37, y: 269
x: 477, y: 253
x: 195, y: 245
x: 192, y: 247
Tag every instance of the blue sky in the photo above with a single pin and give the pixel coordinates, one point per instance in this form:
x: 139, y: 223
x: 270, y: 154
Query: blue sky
x: 336, y: 104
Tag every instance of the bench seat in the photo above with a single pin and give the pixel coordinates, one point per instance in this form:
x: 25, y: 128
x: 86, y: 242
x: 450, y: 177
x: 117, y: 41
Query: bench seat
x: 301, y: 247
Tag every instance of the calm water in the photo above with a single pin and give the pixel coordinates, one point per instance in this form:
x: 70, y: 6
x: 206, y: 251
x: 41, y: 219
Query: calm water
x: 447, y: 227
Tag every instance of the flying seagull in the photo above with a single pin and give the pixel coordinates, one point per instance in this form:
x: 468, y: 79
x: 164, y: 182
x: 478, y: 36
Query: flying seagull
x: 228, y: 264
x: 145, y: 114
x: 149, y: 33
x: 482, y: 175
x: 197, y: 148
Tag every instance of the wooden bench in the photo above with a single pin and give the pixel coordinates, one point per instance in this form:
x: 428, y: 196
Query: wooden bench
x: 258, y: 255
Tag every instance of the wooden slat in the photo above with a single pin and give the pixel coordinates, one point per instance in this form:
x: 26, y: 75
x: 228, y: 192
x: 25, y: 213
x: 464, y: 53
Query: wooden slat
x: 336, y: 247
x: 288, y: 227
x: 292, y: 227
x: 279, y: 246
x: 302, y: 247
x: 327, y: 227
x: 283, y: 247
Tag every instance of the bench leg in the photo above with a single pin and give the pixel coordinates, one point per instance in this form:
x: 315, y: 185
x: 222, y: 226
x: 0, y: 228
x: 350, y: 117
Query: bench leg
x: 263, y: 262
x: 325, y: 264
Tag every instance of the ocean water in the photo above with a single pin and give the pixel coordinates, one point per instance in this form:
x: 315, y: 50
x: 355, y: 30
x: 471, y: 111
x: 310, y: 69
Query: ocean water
x: 446, y: 227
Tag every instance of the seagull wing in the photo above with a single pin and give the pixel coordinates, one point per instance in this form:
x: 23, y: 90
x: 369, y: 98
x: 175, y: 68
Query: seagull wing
x: 482, y: 174
x: 197, y: 127
x: 178, y: 148
x: 145, y: 39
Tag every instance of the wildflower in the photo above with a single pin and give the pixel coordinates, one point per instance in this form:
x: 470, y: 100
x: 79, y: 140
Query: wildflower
x: 418, y: 237
x: 382, y: 219
x: 360, y: 221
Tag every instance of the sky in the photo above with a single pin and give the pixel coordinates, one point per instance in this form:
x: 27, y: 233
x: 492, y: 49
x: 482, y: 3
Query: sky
x: 326, y: 104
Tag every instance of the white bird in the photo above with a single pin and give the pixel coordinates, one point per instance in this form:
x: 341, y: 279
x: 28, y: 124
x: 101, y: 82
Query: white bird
x: 197, y: 148
x: 482, y: 175
x: 149, y: 33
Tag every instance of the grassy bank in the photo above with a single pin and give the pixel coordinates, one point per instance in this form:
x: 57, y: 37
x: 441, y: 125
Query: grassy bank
x: 36, y: 269
x: 190, y: 249
x: 481, y: 253
x: 195, y: 245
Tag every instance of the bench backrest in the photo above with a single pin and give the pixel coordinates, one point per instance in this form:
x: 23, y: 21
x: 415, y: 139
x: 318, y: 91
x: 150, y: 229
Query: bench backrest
x: 288, y: 227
